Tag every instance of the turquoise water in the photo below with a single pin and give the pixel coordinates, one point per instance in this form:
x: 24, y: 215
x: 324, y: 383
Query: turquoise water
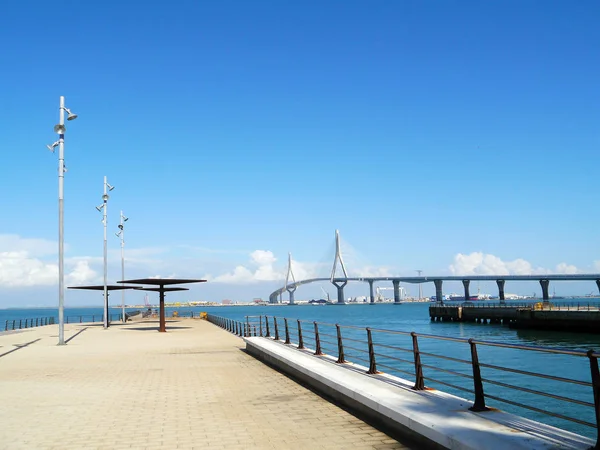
x: 414, y: 317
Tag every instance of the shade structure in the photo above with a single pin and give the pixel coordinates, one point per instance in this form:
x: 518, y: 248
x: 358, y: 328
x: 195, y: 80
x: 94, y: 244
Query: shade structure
x: 157, y: 289
x: 109, y: 287
x: 100, y: 287
x: 161, y: 283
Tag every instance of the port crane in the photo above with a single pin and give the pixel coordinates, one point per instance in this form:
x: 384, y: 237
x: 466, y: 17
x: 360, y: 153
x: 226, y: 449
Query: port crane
x: 326, y: 294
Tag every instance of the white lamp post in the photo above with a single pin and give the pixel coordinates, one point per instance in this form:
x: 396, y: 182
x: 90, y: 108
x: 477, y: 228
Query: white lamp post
x: 60, y: 130
x: 121, y: 234
x: 104, y: 209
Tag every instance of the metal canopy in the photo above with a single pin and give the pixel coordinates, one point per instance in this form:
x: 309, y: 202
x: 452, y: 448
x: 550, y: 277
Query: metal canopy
x: 110, y: 287
x: 162, y: 281
x: 158, y: 289
x: 161, y: 289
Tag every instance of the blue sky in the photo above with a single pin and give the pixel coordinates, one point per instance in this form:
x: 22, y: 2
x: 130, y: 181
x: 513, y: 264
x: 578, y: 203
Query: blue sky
x: 421, y: 130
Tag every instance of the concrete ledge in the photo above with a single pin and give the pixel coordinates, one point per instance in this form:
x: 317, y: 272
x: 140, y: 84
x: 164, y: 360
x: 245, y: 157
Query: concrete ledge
x: 433, y: 418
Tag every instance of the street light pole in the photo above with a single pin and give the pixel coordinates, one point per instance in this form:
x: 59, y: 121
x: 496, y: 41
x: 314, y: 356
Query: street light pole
x: 104, y: 208
x: 121, y: 234
x: 61, y: 236
x: 60, y: 130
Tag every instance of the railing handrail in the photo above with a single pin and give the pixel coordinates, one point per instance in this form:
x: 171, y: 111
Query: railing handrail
x: 554, y: 350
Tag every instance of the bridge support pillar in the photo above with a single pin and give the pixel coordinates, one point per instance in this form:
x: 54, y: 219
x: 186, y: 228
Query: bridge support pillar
x: 466, y: 286
x: 598, y: 284
x: 500, y: 284
x: 371, y: 295
x: 291, y: 292
x: 340, y: 291
x: 545, y: 284
x: 439, y: 296
x: 273, y: 298
x: 396, y: 284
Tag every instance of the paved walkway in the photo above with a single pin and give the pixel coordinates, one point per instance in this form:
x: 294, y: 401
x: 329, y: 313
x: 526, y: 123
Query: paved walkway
x: 132, y: 387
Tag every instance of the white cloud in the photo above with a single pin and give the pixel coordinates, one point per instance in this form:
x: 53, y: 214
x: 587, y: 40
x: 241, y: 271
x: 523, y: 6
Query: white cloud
x: 33, y: 247
x: 82, y: 273
x: 479, y: 263
x: 263, y: 260
x: 21, y: 263
x: 263, y: 257
x: 19, y: 269
x: 567, y: 268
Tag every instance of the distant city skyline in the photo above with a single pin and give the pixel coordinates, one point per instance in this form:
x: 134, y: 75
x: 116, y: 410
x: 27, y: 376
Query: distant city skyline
x: 454, y: 138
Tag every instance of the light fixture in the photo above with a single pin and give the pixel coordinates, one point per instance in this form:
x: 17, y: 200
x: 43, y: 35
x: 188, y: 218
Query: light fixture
x: 121, y: 235
x: 103, y: 208
x: 70, y: 116
x: 60, y: 130
x: 52, y: 146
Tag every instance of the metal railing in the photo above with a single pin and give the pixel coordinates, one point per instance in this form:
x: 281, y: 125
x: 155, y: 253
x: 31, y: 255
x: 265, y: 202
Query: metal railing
x: 458, y: 368
x: 18, y: 324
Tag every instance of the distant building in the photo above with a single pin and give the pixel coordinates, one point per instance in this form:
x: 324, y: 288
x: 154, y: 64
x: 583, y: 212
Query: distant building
x: 227, y: 302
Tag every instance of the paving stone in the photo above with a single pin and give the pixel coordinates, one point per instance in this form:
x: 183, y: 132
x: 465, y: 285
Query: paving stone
x: 132, y: 387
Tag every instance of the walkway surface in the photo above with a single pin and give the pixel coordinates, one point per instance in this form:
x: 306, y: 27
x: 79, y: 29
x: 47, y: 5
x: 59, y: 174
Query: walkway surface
x: 132, y: 387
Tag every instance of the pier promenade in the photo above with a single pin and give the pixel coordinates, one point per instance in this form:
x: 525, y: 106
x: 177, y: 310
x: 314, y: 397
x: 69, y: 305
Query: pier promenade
x: 132, y: 387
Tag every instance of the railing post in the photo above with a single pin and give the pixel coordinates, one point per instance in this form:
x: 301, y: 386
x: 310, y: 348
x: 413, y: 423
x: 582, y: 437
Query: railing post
x: 20, y: 324
x: 267, y: 326
x: 6, y: 326
x: 276, y: 328
x: 13, y: 324
x: 260, y: 326
x: 596, y: 388
x: 287, y: 331
x: 248, y: 326
x: 372, y: 362
x: 300, y: 340
x: 340, y: 359
x: 479, y: 404
x: 419, y: 381
x: 235, y: 331
x: 254, y: 326
x: 318, y: 351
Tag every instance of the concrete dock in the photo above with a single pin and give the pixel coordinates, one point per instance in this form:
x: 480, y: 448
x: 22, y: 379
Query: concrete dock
x: 132, y: 387
x: 539, y: 316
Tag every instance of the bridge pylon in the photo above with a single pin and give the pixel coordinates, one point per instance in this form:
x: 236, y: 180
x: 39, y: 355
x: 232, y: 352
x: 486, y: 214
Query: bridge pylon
x: 288, y: 276
x: 339, y: 283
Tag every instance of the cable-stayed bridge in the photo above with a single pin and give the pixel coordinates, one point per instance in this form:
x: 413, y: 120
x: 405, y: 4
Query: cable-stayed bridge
x: 340, y: 280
